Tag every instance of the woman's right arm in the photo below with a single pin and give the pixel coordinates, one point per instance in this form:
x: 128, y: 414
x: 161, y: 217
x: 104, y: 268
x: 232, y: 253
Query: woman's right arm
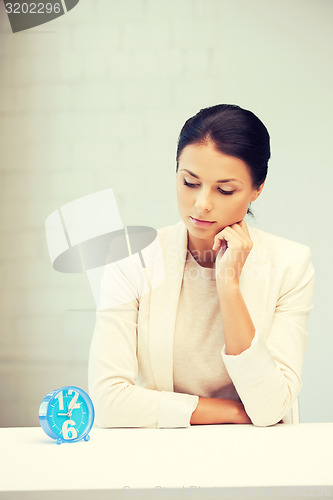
x: 113, y: 360
x: 219, y: 411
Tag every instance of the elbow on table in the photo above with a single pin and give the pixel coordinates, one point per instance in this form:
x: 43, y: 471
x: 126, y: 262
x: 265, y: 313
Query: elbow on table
x: 105, y: 414
x: 125, y: 405
x: 109, y: 416
x: 110, y: 396
x: 267, y: 420
x: 266, y: 423
x: 117, y: 419
x: 274, y: 413
x: 102, y: 413
x: 101, y: 422
x: 106, y: 406
x: 284, y: 417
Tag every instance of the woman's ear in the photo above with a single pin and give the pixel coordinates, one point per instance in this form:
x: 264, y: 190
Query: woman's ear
x: 257, y: 192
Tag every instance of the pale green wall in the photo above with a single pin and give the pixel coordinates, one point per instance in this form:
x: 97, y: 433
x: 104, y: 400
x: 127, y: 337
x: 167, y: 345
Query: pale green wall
x: 96, y: 99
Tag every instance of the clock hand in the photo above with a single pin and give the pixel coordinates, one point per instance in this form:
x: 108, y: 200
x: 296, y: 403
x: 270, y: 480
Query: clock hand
x: 71, y: 407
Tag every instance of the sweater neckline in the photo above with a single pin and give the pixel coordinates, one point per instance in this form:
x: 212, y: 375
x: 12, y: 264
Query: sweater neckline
x: 207, y: 273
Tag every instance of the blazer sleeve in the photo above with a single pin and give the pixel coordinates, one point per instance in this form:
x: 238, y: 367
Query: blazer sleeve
x: 267, y: 375
x: 113, y: 361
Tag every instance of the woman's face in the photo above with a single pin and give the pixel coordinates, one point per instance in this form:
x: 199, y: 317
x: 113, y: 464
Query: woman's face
x: 214, y: 187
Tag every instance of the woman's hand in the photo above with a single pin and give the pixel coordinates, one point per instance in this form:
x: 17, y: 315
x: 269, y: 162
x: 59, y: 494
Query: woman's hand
x: 235, y: 244
x: 242, y: 417
x: 219, y: 411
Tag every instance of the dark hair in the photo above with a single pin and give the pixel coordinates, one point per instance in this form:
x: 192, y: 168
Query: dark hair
x: 233, y: 131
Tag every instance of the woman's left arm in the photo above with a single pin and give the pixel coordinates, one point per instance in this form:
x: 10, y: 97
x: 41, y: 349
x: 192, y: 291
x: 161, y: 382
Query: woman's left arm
x: 266, y: 375
x: 235, y: 244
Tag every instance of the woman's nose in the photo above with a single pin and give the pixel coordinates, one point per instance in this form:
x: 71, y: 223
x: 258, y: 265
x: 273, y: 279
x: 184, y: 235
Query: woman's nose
x: 203, y: 202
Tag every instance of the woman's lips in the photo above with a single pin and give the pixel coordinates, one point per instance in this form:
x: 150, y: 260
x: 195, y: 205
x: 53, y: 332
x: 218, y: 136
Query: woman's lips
x: 201, y: 223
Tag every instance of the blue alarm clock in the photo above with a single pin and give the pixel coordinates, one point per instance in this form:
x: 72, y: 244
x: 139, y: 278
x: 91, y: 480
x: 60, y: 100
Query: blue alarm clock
x: 67, y: 414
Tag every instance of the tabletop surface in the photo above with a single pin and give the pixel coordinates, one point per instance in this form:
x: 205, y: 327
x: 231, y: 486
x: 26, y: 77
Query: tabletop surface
x: 225, y: 455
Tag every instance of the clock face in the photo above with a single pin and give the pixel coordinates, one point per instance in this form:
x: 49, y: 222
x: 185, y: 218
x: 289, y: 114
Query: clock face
x: 69, y: 414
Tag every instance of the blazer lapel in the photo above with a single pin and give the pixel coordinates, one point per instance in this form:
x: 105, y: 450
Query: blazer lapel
x: 164, y: 304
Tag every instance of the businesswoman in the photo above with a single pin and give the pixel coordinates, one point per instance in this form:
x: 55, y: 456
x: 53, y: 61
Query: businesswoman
x: 209, y: 324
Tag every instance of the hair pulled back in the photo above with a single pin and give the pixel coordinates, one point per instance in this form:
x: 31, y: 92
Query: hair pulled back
x: 233, y: 131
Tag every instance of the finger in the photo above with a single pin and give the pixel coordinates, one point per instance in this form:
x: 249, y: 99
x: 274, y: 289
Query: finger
x: 219, y: 238
x: 242, y: 229
x: 233, y: 233
x: 238, y: 230
x: 228, y: 235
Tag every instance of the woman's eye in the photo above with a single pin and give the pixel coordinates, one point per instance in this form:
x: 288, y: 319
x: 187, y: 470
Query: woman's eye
x: 189, y: 184
x: 226, y: 192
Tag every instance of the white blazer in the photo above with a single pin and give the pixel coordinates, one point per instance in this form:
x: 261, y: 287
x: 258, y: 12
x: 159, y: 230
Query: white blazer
x: 131, y: 354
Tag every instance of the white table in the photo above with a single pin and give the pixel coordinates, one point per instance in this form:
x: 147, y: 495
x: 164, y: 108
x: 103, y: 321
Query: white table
x: 206, y: 461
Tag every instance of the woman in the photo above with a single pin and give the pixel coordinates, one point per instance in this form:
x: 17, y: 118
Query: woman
x: 214, y: 330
